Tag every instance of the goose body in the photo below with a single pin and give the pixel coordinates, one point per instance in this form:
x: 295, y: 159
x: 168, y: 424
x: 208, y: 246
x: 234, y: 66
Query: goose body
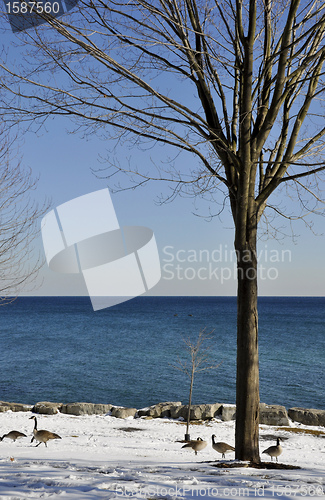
x: 41, y: 435
x: 274, y: 451
x: 13, y: 435
x: 221, y: 447
x: 196, y: 444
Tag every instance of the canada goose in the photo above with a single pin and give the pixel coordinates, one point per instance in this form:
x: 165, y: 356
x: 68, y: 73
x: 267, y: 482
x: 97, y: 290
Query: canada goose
x: 274, y: 451
x: 13, y: 435
x: 221, y: 447
x: 41, y: 435
x: 196, y: 444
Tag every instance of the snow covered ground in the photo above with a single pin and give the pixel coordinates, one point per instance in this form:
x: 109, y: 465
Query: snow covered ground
x: 110, y: 458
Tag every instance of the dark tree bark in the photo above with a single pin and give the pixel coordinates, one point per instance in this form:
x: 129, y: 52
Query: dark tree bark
x: 247, y: 385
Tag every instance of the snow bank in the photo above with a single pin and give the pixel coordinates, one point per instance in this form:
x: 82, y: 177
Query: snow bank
x: 105, y: 457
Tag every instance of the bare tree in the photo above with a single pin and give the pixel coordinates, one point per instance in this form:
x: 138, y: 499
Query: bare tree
x: 19, y: 226
x: 199, y: 361
x: 238, y: 84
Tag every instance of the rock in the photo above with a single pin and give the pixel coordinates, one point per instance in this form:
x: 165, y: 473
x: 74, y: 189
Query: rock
x: 273, y: 415
x: 179, y: 412
x: 86, y: 408
x: 47, y: 408
x: 145, y: 412
x: 4, y: 406
x: 160, y: 410
x: 163, y: 410
x: 269, y: 414
x: 227, y: 412
x: 120, y: 412
x: 197, y: 412
x: 307, y: 416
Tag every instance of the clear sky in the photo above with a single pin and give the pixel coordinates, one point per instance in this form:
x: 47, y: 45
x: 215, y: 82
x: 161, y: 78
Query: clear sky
x: 196, y: 255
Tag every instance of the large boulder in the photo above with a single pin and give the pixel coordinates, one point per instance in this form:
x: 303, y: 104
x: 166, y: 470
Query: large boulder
x: 197, y: 412
x: 4, y: 406
x: 85, y: 408
x: 273, y: 415
x: 307, y: 416
x: 120, y: 412
x: 269, y: 414
x: 160, y: 410
x: 227, y: 412
x: 47, y: 408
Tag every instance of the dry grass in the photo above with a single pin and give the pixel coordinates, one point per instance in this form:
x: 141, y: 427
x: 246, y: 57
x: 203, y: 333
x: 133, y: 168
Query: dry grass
x: 296, y: 430
x: 194, y: 422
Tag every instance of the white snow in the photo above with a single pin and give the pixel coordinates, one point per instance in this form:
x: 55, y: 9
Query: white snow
x: 110, y: 458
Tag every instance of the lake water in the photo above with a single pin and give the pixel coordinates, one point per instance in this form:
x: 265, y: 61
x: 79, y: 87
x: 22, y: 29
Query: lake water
x: 59, y: 349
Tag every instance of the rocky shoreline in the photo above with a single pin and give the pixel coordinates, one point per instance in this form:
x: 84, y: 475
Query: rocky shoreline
x: 269, y: 414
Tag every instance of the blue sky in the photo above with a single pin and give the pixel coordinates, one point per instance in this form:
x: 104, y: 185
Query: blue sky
x: 196, y: 255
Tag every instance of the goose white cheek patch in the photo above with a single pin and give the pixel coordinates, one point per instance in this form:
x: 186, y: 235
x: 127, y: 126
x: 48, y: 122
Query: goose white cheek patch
x: 84, y: 236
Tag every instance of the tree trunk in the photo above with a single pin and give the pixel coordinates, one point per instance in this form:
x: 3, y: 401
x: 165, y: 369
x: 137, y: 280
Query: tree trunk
x: 247, y: 386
